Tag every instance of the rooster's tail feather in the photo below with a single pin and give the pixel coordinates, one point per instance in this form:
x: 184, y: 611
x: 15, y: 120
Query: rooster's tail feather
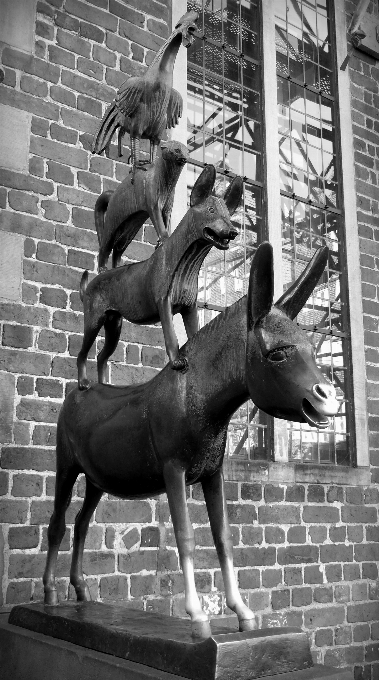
x: 107, y: 128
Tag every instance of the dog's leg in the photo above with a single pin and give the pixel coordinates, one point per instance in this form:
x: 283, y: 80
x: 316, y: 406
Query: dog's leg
x: 89, y: 337
x: 177, y: 362
x: 112, y: 328
x: 158, y: 222
x: 190, y: 320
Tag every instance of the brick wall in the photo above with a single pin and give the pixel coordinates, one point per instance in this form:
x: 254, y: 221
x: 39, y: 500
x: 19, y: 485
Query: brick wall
x: 306, y: 554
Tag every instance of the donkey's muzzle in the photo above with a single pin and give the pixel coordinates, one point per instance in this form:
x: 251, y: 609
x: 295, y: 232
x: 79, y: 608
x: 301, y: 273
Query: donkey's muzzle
x: 324, y: 403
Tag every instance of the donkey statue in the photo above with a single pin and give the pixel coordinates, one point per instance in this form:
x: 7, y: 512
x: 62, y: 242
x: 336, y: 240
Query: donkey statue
x: 143, y: 440
x: 149, y: 193
x: 166, y: 283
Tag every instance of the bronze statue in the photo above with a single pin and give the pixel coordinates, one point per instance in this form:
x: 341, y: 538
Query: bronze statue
x: 120, y: 214
x: 143, y: 440
x: 146, y: 105
x: 166, y: 283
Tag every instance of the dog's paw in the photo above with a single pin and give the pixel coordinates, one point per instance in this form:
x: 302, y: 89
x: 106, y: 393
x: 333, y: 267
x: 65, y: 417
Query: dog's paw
x: 83, y: 384
x: 180, y: 364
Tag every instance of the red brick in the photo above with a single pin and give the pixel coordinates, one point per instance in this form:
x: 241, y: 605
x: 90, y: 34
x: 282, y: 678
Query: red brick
x: 38, y: 410
x: 130, y: 32
x: 91, y: 14
x: 326, y: 616
x: 313, y: 574
x: 44, y: 435
x: 60, y: 173
x: 55, y: 211
x: 26, y: 102
x: 76, y: 197
x: 27, y: 485
x: 91, y: 32
x: 36, y: 166
x: 87, y: 86
x: 337, y: 534
x: 33, y: 86
x: 296, y: 534
x: 114, y: 587
x: 9, y: 77
x: 53, y: 297
x: 23, y: 538
x: 293, y: 576
x: 123, y: 512
x: 273, y: 494
x: 29, y: 64
x: 89, y: 181
x: 45, y: 272
x: 333, y: 573
x: 4, y: 483
x: 50, y: 252
x: 25, y: 385
x: 13, y: 512
x: 48, y: 148
x: 321, y: 514
x: 23, y: 202
x: 336, y: 553
x: 298, y: 554
x: 73, y: 43
x: 271, y: 577
x: 44, y: 30
x: 118, y: 45
x: 368, y: 611
x: 17, y: 361
x: 77, y: 258
x: 279, y: 514
x: 324, y: 637
x: 359, y: 515
x: 104, y: 56
x: 57, y: 55
x: 63, y: 20
x: 90, y: 106
x: 33, y: 565
x: 252, y: 535
x: 28, y: 458
x: 24, y: 315
x: 274, y: 535
x: 368, y: 552
x: 49, y: 388
x: 62, y: 134
x: 16, y: 180
x: 316, y: 493
x: 90, y: 68
x: 144, y: 585
x: 21, y: 433
x: 63, y: 96
x: 323, y: 595
x: 17, y: 336
x: 19, y: 592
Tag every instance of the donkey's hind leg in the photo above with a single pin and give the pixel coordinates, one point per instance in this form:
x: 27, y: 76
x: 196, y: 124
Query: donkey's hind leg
x: 65, y: 480
x: 214, y: 494
x: 91, y: 500
x: 112, y: 328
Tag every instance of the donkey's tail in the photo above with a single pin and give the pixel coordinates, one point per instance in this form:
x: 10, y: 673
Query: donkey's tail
x: 83, y: 284
x: 101, y: 206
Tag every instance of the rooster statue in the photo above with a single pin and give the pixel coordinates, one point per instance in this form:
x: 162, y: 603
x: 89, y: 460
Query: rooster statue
x: 146, y: 105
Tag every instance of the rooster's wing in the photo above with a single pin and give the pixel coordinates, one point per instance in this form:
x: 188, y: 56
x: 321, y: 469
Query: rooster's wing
x: 174, y: 109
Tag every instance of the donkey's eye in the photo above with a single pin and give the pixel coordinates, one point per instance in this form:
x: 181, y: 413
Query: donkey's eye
x: 280, y: 354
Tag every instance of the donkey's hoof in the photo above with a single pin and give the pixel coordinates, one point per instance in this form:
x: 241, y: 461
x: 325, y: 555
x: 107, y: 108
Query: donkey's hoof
x: 51, y: 598
x: 180, y: 364
x: 247, y: 624
x: 201, y: 629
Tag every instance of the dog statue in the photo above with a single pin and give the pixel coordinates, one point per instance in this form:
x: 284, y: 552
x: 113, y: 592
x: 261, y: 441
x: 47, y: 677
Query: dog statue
x: 157, y: 288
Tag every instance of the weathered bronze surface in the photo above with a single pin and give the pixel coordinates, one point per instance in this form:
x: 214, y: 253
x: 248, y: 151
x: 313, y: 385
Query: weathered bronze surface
x: 139, y: 441
x: 120, y: 214
x: 166, y: 283
x: 166, y: 643
x: 146, y: 105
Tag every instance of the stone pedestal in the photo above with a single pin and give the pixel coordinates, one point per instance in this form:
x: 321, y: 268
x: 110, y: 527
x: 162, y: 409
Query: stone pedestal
x: 93, y: 640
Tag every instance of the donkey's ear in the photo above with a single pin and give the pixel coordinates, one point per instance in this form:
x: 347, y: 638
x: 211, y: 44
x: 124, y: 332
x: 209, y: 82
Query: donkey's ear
x: 233, y: 194
x: 203, y: 186
x: 294, y: 299
x: 261, y: 285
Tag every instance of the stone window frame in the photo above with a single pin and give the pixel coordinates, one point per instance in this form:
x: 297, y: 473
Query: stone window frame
x: 280, y: 469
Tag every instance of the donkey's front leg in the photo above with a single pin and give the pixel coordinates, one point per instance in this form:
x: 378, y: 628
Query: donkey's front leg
x: 174, y: 477
x: 214, y: 494
x: 177, y: 362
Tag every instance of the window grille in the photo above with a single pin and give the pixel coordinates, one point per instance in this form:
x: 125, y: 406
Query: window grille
x: 225, y: 128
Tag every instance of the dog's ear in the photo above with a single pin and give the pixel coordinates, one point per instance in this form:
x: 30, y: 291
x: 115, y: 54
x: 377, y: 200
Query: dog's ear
x: 203, y: 186
x: 233, y: 194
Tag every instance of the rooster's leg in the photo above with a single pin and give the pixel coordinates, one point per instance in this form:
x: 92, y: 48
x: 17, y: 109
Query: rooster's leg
x: 121, y: 133
x: 153, y: 151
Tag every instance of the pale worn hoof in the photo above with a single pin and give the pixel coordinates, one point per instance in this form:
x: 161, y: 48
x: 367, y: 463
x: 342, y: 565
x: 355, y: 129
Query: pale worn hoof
x: 247, y: 624
x: 201, y: 629
x: 180, y: 364
x: 83, y: 384
x: 51, y: 598
x: 83, y: 594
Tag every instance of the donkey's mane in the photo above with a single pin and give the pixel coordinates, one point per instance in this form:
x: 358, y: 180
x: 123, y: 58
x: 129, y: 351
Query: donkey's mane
x: 215, y: 326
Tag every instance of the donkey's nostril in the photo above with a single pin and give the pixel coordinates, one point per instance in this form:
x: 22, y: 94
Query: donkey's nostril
x: 323, y: 391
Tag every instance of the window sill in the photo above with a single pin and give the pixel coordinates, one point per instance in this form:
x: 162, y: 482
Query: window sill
x: 295, y: 473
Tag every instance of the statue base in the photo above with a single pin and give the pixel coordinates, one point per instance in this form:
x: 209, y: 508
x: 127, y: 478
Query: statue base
x: 95, y: 640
